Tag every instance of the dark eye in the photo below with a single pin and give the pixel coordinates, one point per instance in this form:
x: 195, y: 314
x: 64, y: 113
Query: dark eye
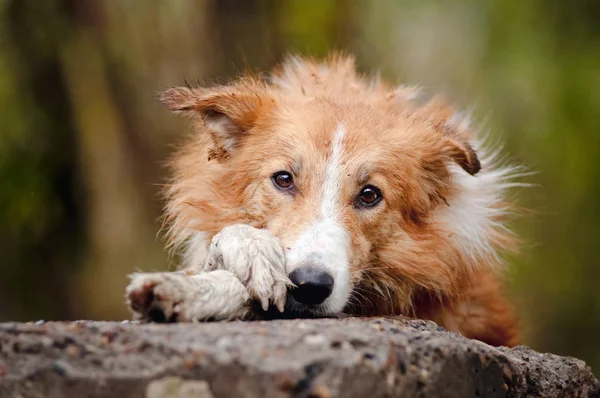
x: 283, y: 180
x: 369, y: 196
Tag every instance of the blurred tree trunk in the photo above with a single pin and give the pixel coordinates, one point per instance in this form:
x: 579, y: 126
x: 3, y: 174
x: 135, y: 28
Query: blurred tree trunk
x: 115, y: 206
x: 119, y: 169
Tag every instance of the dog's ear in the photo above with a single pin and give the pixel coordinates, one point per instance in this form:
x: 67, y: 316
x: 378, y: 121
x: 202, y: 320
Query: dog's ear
x: 454, y: 128
x: 463, y: 153
x: 228, y: 112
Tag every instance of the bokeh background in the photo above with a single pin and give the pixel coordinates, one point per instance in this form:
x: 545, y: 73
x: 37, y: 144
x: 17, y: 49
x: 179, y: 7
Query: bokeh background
x: 83, y: 140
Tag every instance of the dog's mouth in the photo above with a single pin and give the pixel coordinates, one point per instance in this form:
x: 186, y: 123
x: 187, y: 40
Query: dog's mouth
x: 301, y: 310
x: 294, y: 310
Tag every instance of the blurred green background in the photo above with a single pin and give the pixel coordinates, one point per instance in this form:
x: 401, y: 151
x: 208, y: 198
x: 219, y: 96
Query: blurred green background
x: 83, y: 140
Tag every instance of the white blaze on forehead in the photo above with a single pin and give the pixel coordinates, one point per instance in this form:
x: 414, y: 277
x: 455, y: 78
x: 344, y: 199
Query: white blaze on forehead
x: 324, y: 244
x: 333, y: 174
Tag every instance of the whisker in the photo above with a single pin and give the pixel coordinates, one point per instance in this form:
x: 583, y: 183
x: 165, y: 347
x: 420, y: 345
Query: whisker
x: 361, y: 296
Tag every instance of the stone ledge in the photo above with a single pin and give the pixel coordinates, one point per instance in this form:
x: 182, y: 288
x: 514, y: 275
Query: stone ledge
x: 351, y: 357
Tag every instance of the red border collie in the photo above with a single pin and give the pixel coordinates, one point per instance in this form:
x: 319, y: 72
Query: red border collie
x: 320, y: 192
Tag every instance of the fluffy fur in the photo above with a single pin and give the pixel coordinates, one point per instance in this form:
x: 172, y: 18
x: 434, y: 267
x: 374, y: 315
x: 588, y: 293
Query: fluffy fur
x: 429, y: 249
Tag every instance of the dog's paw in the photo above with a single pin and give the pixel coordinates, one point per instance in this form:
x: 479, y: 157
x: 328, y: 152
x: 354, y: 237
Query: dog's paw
x: 256, y: 257
x: 142, y: 300
x: 172, y: 297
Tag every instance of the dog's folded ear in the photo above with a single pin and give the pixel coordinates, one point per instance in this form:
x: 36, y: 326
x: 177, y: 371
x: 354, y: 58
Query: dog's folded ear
x: 455, y: 131
x: 226, y: 111
x: 463, y: 153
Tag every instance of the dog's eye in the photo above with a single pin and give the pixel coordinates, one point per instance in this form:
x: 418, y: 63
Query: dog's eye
x: 369, y: 196
x: 283, y: 180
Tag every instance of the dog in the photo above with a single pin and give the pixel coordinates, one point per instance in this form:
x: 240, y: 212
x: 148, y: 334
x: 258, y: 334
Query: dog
x: 319, y: 192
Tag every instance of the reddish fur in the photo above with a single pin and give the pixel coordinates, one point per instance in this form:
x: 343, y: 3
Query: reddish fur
x: 403, y: 260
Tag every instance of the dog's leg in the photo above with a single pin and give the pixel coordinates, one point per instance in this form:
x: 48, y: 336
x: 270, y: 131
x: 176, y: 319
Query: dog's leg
x: 174, y: 296
x: 243, y: 263
x: 256, y: 257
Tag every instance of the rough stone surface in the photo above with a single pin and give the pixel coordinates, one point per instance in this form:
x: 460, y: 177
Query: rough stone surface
x: 319, y: 358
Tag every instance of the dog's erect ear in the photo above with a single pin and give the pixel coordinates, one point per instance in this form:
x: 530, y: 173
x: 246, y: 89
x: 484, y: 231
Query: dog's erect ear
x: 227, y: 111
x: 455, y: 130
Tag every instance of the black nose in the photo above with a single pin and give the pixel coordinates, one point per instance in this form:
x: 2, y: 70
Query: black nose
x: 313, y: 285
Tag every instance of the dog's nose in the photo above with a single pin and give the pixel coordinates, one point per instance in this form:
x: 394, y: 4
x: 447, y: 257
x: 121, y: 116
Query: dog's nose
x: 313, y: 285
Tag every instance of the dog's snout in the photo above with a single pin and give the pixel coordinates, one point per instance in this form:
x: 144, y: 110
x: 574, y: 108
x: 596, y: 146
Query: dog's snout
x: 313, y: 286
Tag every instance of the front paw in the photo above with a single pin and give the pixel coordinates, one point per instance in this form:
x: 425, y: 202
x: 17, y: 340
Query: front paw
x: 256, y: 257
x: 171, y: 297
x: 154, y: 296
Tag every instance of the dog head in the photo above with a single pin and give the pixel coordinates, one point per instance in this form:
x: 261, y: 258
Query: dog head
x: 373, y: 195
